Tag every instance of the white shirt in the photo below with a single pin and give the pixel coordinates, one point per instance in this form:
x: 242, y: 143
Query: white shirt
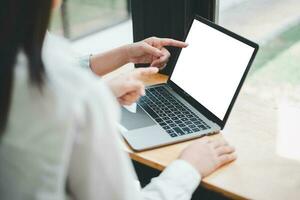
x: 62, y: 142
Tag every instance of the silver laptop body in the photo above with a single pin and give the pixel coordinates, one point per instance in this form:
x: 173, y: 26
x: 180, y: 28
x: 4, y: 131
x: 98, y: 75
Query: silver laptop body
x: 168, y: 114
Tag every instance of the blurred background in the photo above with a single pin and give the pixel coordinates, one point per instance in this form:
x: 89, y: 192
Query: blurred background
x: 79, y: 18
x: 274, y: 24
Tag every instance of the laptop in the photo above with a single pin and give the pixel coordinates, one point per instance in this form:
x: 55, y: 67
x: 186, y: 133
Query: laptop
x: 200, y: 92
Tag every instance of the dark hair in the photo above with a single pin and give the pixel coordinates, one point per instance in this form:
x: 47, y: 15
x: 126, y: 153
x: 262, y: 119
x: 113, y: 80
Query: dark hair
x: 23, y: 25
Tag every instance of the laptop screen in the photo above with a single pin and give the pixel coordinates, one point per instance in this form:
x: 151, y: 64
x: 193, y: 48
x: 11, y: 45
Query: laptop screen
x: 211, y: 67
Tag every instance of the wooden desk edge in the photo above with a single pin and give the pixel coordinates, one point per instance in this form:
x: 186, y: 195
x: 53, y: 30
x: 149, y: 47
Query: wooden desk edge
x: 134, y: 156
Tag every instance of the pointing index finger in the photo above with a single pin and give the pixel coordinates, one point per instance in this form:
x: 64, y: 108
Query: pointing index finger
x: 172, y: 42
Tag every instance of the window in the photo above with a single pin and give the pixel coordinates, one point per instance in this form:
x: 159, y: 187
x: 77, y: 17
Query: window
x: 273, y: 85
x: 275, y: 25
x: 77, y: 18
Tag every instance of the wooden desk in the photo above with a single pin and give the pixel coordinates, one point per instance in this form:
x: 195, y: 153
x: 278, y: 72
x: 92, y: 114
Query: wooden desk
x: 259, y: 173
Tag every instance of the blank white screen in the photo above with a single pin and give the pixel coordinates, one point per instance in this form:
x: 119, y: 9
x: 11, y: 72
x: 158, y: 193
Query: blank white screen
x: 211, y: 67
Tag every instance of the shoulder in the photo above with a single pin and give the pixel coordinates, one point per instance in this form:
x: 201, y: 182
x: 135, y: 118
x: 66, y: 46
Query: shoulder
x: 69, y: 90
x: 66, y: 77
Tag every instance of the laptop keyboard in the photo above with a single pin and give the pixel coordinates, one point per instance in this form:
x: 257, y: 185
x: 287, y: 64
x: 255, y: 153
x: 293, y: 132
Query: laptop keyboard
x: 176, y: 118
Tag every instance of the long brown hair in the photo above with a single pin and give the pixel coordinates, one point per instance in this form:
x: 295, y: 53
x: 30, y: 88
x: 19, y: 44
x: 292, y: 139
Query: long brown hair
x: 23, y: 25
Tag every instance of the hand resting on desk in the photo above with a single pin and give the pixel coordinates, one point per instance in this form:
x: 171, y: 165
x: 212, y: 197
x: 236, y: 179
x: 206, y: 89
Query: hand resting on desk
x: 207, y: 155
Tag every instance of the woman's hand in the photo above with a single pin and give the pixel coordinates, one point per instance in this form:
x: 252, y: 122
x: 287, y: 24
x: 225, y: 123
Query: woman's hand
x: 128, y: 88
x: 207, y: 155
x: 152, y: 50
x: 149, y: 51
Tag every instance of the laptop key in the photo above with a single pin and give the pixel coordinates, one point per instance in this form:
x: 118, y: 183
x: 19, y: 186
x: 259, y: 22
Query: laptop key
x: 192, y: 126
x: 170, y: 131
x: 158, y: 119
x: 173, y: 135
x: 160, y: 112
x: 196, y: 129
x: 175, y: 104
x: 202, y: 127
x: 166, y: 127
x: 184, y: 119
x: 182, y: 109
x: 179, y: 131
x: 150, y: 111
x: 177, y: 121
x: 188, y: 122
x: 187, y: 130
x: 172, y: 125
x: 174, y: 118
x: 194, y: 119
x: 163, y: 124
x: 181, y: 125
x: 198, y: 122
x: 165, y: 109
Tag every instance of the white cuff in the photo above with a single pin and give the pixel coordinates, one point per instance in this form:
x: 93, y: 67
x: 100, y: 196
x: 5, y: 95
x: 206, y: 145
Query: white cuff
x: 183, y: 174
x: 85, y: 61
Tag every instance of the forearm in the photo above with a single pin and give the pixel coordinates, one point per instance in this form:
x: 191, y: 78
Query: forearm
x: 104, y: 63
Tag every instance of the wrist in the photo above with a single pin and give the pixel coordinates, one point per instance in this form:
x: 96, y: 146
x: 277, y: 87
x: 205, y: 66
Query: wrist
x: 192, y: 168
x: 192, y: 164
x: 125, y: 50
x: 181, y: 175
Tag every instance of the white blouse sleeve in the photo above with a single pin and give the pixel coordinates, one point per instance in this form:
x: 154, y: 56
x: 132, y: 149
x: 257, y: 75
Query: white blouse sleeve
x: 100, y: 169
x: 178, y: 181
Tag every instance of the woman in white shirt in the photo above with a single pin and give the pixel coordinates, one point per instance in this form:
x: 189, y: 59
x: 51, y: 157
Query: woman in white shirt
x: 58, y: 136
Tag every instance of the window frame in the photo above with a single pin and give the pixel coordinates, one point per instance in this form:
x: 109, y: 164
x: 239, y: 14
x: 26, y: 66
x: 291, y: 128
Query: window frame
x: 66, y: 27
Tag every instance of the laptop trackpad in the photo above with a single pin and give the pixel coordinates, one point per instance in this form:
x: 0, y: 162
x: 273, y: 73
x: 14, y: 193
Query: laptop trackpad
x: 140, y: 119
